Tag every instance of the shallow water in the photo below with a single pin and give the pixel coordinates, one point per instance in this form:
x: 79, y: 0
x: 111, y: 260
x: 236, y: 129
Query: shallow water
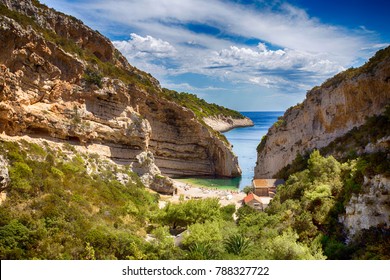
x: 244, y: 141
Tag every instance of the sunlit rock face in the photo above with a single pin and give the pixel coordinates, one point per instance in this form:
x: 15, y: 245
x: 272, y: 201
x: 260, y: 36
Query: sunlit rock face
x: 47, y: 91
x: 328, y: 112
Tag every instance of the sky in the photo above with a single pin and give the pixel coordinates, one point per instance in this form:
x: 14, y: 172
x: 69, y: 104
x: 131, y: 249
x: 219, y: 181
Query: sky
x: 248, y: 55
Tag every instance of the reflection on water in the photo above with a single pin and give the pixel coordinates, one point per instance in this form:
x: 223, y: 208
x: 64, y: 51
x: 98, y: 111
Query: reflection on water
x: 244, y: 141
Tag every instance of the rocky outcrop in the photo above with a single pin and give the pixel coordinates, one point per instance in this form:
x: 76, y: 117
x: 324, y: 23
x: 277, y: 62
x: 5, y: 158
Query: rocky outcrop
x: 4, y: 176
x: 327, y: 113
x: 60, y: 80
x: 224, y: 124
x: 370, y: 208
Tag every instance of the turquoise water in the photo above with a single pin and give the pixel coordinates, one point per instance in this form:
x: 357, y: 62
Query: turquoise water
x: 244, y: 141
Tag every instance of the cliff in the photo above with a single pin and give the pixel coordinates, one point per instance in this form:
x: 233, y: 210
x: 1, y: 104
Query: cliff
x: 62, y: 81
x: 223, y: 124
x: 370, y: 208
x: 328, y: 112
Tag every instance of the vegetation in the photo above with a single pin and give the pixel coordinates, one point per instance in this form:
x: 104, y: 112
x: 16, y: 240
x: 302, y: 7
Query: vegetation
x: 375, y: 128
x: 93, y: 77
x: 261, y: 145
x: 65, y: 205
x: 347, y: 147
x: 199, y: 106
x: 62, y: 204
x: 298, y: 164
x: 247, y: 189
x: 55, y: 209
x: 280, y: 123
x: 351, y: 73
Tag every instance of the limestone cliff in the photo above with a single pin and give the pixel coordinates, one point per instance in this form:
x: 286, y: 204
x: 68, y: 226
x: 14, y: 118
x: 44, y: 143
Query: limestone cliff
x: 328, y: 112
x: 224, y: 124
x: 61, y: 80
x: 370, y: 208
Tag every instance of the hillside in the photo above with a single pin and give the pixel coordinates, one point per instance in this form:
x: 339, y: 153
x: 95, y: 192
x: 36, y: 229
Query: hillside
x: 328, y: 112
x: 62, y: 81
x: 346, y: 120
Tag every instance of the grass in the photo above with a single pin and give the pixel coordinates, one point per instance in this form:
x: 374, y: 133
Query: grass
x: 199, y: 106
x: 55, y: 206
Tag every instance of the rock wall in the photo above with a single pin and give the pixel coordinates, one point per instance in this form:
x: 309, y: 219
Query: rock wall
x: 44, y: 93
x: 371, y: 208
x: 327, y: 112
x: 224, y: 124
x: 4, y: 176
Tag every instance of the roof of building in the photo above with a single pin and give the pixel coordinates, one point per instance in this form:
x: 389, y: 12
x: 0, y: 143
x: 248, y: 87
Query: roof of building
x: 250, y: 197
x: 267, y: 183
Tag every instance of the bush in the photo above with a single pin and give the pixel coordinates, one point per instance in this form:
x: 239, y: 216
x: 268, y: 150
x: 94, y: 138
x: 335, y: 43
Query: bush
x: 93, y: 77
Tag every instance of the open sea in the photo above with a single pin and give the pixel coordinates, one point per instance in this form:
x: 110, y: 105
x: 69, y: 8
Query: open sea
x: 244, y: 141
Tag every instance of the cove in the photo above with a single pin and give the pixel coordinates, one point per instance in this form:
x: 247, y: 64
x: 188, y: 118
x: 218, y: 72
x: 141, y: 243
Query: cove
x: 244, y: 141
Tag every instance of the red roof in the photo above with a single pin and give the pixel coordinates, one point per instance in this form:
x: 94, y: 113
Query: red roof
x: 251, y: 197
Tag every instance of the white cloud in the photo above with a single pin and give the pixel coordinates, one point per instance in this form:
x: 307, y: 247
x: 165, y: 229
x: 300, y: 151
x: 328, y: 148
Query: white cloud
x: 267, y: 67
x: 295, y: 50
x: 145, y: 47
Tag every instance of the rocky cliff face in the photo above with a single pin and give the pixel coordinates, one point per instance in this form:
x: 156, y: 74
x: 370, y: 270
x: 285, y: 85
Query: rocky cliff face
x: 328, y: 112
x: 61, y: 80
x: 224, y: 124
x: 370, y: 208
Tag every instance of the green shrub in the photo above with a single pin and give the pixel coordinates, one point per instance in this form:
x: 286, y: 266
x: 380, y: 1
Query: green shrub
x: 93, y: 77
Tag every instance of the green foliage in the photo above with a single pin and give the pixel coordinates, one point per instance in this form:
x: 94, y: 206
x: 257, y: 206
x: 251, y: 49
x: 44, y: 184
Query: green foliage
x: 202, y: 251
x: 279, y: 123
x: 190, y: 212
x: 199, y: 106
x: 297, y: 165
x: 286, y: 247
x: 371, y: 244
x: 93, y: 77
x: 237, y: 244
x: 55, y: 210
x: 227, y: 212
x: 14, y: 239
x: 208, y: 232
x: 261, y: 145
x: 247, y: 189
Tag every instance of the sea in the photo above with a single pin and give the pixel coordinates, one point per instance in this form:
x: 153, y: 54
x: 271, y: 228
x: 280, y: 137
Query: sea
x: 244, y: 141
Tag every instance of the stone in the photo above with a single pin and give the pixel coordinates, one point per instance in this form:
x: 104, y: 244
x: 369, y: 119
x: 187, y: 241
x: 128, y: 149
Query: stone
x: 371, y: 208
x: 327, y: 113
x: 44, y: 94
x: 4, y: 176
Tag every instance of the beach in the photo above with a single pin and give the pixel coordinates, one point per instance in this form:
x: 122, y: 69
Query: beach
x: 190, y: 191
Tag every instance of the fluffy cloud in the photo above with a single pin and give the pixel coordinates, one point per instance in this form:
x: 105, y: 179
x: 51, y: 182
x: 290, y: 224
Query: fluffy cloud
x: 145, y: 47
x: 270, y: 68
x: 295, y: 51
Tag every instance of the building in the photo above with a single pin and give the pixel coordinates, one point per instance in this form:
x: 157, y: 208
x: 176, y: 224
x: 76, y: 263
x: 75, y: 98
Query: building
x: 256, y: 202
x: 266, y: 187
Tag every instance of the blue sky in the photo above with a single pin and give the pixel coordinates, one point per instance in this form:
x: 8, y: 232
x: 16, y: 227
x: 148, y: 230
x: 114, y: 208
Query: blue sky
x: 249, y: 55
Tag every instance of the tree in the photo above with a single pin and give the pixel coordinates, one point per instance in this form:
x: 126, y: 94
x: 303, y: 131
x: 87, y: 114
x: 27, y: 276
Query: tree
x: 237, y: 244
x: 247, y: 190
x: 190, y: 212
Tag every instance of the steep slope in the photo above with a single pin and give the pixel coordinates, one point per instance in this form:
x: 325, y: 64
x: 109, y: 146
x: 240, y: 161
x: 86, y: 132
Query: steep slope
x: 62, y: 81
x: 328, y: 112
